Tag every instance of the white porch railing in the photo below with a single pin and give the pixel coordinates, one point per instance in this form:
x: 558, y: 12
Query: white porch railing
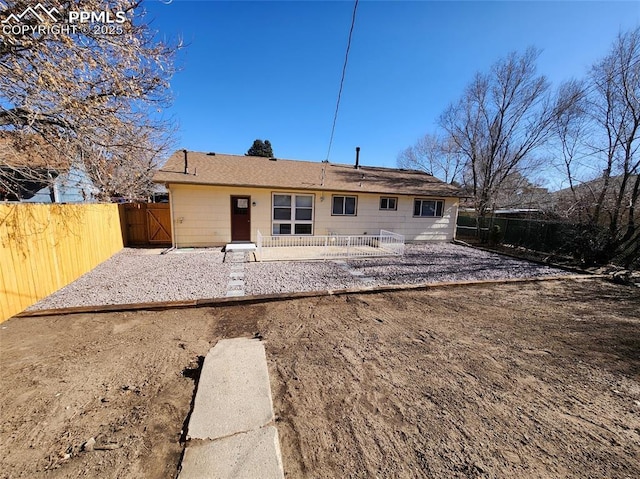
x: 285, y: 247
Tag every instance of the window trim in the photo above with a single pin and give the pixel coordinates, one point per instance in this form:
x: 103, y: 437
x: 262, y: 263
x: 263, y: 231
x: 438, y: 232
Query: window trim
x: 355, y: 209
x: 395, y: 208
x: 436, y: 200
x: 292, y: 220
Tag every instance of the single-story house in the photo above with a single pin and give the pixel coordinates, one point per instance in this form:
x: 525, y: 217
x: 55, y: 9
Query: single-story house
x: 217, y: 198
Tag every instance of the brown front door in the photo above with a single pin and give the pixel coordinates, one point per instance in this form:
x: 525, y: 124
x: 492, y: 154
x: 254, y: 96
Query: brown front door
x: 240, y: 218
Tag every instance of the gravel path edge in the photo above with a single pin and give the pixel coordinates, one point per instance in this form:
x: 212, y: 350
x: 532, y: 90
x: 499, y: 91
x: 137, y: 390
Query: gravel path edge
x: 258, y: 298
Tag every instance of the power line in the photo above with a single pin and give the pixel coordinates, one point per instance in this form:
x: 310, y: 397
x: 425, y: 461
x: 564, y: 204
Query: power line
x: 344, y: 70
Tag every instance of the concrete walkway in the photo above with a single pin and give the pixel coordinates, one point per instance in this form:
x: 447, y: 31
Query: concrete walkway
x: 235, y: 286
x: 230, y: 432
x: 237, y: 254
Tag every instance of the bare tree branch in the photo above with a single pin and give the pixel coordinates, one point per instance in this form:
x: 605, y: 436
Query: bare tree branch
x: 503, y: 117
x: 97, y: 98
x: 600, y: 136
x: 434, y: 155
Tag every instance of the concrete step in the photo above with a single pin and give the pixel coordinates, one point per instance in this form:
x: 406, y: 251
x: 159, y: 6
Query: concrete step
x: 244, y: 247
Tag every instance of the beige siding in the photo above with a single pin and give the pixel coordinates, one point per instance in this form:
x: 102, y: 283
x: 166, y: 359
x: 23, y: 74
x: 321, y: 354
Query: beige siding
x: 202, y: 215
x: 370, y: 219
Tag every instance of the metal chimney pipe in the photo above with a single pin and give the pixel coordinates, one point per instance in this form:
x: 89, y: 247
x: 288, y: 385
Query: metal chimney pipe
x: 186, y: 164
x: 357, y: 157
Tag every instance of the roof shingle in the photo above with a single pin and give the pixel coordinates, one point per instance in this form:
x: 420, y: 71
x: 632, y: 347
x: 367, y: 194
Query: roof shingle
x: 30, y: 151
x: 254, y: 171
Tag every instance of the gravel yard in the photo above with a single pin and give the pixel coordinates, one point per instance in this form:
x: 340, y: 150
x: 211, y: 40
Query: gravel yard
x: 443, y: 262
x: 144, y: 276
x: 141, y: 276
x: 291, y: 276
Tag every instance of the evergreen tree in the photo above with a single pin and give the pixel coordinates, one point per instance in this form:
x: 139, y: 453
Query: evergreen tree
x: 261, y: 148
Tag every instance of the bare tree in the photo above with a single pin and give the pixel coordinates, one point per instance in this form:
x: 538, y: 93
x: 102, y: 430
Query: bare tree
x: 125, y: 164
x: 517, y: 191
x: 94, y: 93
x: 600, y: 137
x: 497, y: 125
x: 571, y: 127
x: 616, y: 97
x: 435, y: 155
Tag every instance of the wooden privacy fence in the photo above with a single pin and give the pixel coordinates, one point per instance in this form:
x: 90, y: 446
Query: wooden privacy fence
x: 44, y: 247
x: 147, y: 224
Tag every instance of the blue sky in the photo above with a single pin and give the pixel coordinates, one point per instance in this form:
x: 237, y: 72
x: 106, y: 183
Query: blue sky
x: 271, y: 70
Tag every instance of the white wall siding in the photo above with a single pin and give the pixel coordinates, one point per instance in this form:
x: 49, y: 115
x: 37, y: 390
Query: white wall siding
x: 370, y: 219
x: 202, y: 215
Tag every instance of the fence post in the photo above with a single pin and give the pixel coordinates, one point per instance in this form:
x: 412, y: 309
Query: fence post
x: 506, y: 229
x: 259, y: 245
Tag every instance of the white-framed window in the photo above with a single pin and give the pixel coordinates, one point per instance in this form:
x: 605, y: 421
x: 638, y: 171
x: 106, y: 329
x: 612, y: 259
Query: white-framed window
x: 428, y: 208
x: 388, y: 203
x: 344, y: 205
x: 292, y: 214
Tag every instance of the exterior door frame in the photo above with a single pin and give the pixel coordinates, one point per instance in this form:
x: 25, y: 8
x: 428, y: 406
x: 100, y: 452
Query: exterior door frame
x: 240, y: 232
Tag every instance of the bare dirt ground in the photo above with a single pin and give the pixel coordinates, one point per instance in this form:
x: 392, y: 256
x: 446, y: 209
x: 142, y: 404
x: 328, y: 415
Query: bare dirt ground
x: 514, y: 380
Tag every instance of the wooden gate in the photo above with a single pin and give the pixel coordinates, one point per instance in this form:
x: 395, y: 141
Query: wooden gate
x: 147, y: 224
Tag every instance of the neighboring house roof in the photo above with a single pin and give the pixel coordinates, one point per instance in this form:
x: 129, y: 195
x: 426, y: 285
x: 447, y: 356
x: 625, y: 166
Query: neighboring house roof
x: 30, y: 151
x: 27, y: 164
x: 253, y: 171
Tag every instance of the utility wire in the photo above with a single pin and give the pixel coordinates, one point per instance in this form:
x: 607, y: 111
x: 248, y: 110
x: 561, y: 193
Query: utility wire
x: 344, y: 70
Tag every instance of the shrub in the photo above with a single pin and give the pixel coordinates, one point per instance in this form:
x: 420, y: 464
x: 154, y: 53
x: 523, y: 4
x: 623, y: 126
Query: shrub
x: 495, y: 235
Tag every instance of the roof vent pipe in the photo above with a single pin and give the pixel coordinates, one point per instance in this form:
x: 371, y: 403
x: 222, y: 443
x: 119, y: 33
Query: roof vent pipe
x: 186, y: 164
x: 357, y: 157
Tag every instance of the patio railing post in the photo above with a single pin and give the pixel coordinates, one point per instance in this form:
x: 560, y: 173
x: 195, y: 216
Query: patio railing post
x: 330, y: 246
x: 259, y: 248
